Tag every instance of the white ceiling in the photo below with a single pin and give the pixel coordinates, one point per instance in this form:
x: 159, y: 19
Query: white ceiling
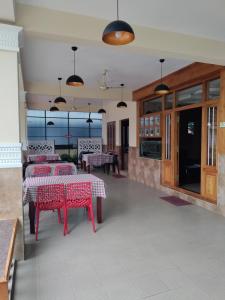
x: 204, y: 18
x: 46, y: 60
x: 72, y: 103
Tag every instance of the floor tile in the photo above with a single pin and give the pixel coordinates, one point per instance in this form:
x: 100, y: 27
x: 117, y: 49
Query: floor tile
x: 144, y: 249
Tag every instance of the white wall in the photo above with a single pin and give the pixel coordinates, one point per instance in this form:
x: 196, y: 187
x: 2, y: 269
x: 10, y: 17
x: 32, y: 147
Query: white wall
x: 117, y: 114
x: 9, y: 121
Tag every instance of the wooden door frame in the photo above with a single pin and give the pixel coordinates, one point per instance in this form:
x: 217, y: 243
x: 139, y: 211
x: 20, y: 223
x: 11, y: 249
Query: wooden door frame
x: 121, y: 134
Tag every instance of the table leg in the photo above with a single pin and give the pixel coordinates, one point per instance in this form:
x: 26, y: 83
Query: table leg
x: 89, y: 169
x: 118, y: 168
x: 32, y: 217
x: 99, y: 210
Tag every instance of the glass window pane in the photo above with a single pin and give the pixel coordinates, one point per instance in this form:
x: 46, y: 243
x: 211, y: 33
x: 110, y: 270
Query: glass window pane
x: 35, y: 122
x: 73, y: 141
x: 80, y: 115
x: 79, y: 132
x: 168, y: 136
x: 59, y: 140
x: 36, y: 138
x: 96, y: 132
x: 57, y: 122
x: 169, y: 101
x: 151, y: 106
x: 212, y: 134
x: 96, y: 116
x: 35, y: 113
x: 213, y: 89
x: 189, y: 96
x: 151, y: 148
x: 51, y: 131
x: 57, y: 114
x: 78, y: 123
x: 96, y: 124
x: 37, y: 131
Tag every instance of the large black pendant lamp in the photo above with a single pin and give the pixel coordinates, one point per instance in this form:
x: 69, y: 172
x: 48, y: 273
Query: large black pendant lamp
x: 162, y: 89
x: 60, y: 99
x: 118, y: 32
x: 89, y: 120
x: 121, y: 103
x: 75, y: 80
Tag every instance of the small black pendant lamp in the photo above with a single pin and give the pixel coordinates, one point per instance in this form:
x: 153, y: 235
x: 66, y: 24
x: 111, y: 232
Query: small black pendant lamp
x: 75, y: 80
x: 60, y: 99
x: 121, y: 103
x: 118, y: 32
x: 162, y: 89
x: 89, y: 120
x: 54, y: 108
x: 102, y: 110
x: 50, y: 123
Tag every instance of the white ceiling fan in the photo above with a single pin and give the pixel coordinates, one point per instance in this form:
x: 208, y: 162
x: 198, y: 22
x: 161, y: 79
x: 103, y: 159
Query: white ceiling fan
x: 105, y: 82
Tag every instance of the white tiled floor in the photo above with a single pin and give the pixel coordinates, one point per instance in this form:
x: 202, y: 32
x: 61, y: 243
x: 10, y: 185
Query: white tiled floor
x: 145, y: 249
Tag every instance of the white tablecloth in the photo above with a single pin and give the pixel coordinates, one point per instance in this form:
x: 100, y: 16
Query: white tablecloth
x: 97, y: 159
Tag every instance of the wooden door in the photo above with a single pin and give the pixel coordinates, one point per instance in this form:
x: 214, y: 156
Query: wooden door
x: 111, y: 136
x: 168, y: 149
x: 209, y: 156
x: 124, y: 143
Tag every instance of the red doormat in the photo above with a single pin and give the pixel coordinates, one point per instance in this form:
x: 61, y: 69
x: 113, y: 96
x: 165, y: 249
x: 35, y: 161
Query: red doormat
x: 119, y: 176
x: 176, y: 200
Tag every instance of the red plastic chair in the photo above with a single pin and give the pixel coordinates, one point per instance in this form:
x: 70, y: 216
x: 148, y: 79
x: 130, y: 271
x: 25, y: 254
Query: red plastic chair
x: 63, y: 169
x: 40, y: 158
x: 79, y: 195
x: 49, y: 197
x: 40, y: 171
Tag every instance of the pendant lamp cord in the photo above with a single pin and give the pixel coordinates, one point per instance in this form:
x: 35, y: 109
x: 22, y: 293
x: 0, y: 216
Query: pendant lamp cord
x: 161, y: 72
x: 89, y: 110
x: 117, y: 9
x: 60, y: 87
x: 74, y: 62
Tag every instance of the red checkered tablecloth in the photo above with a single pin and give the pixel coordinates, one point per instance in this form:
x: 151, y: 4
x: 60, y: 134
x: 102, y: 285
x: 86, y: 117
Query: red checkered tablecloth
x: 97, y: 159
x: 31, y: 183
x: 30, y: 168
x: 33, y: 157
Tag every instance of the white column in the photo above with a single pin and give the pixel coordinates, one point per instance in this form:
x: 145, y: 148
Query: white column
x: 10, y: 146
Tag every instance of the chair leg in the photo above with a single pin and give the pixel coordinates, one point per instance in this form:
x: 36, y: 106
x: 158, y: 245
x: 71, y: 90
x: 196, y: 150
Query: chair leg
x: 37, y: 222
x: 59, y: 216
x: 65, y: 227
x: 89, y: 215
x: 92, y: 217
x: 108, y: 169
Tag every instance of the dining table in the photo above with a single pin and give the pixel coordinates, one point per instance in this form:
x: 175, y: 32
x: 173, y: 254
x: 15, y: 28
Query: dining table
x: 48, y: 157
x: 30, y: 168
x: 95, y: 160
x: 31, y: 184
